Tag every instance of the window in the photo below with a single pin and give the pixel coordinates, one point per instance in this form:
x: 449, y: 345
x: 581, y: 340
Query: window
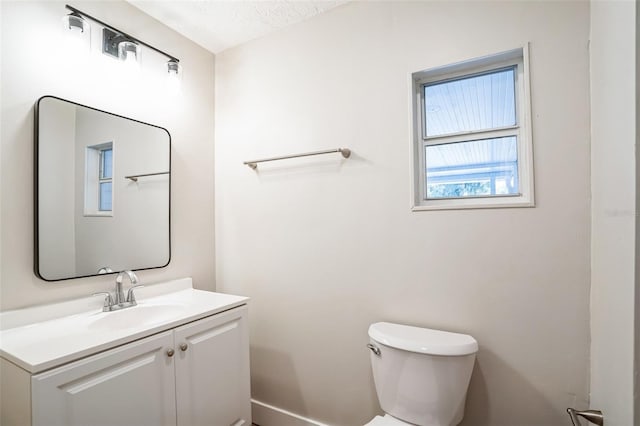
x: 472, y: 135
x: 98, y: 188
x: 105, y: 177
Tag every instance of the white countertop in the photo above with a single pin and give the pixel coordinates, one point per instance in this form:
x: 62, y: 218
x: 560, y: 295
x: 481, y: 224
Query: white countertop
x: 42, y: 337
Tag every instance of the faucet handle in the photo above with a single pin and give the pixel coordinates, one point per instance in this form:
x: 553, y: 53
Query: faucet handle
x: 108, y: 301
x: 131, y: 297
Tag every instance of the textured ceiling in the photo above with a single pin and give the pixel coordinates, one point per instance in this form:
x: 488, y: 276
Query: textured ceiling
x: 220, y: 24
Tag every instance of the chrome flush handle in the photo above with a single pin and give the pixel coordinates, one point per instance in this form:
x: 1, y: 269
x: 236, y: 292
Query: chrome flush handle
x: 593, y: 416
x: 374, y: 349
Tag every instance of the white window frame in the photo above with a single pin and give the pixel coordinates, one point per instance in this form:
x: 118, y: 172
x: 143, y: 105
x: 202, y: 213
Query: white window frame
x: 102, y: 179
x: 93, y: 178
x: 522, y: 130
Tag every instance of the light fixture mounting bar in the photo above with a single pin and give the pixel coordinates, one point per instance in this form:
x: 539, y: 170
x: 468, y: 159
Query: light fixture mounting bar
x: 129, y: 37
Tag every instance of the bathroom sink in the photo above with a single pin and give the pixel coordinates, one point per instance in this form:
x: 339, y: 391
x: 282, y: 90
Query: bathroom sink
x: 41, y: 337
x: 140, y: 315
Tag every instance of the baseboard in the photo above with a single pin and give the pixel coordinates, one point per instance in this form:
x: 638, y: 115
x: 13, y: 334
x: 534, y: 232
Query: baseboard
x: 268, y: 415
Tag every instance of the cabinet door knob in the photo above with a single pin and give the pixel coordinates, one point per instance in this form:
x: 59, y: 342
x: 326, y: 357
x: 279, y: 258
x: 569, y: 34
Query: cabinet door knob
x: 170, y: 353
x: 183, y: 347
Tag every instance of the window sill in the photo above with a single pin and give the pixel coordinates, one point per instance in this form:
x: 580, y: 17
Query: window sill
x: 99, y: 214
x: 474, y: 203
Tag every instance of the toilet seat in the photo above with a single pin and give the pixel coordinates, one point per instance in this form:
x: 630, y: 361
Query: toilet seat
x: 387, y: 420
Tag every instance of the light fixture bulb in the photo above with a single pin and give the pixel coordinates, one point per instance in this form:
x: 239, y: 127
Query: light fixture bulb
x: 129, y: 53
x: 77, y: 34
x: 75, y: 23
x: 174, y: 70
x: 174, y: 75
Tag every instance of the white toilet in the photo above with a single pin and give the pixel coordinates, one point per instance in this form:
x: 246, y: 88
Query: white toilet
x: 421, y: 375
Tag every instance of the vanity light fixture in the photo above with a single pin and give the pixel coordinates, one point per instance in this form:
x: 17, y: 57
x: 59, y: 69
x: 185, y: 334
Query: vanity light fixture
x: 75, y: 23
x: 174, y: 69
x: 174, y: 75
x: 129, y: 52
x: 78, y: 30
x: 119, y: 44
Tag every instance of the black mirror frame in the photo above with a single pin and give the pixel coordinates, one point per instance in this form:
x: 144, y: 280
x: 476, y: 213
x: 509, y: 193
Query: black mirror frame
x: 36, y: 206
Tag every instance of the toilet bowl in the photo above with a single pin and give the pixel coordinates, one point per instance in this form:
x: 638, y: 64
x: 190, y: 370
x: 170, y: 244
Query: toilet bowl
x: 421, y: 375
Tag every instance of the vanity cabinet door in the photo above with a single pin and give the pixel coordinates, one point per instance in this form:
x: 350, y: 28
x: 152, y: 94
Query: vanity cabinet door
x: 130, y: 385
x: 212, y: 371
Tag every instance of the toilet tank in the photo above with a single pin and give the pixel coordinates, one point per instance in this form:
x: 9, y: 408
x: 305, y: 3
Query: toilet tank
x: 422, y: 375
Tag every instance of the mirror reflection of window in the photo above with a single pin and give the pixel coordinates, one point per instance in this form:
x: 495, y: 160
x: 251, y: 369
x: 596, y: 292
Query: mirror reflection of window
x: 106, y: 176
x: 98, y: 188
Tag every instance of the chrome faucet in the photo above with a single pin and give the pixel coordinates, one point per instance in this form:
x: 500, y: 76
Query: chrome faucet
x: 120, y: 301
x: 119, y: 293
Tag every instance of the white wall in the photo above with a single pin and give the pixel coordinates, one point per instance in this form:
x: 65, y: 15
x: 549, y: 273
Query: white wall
x: 613, y: 233
x: 35, y: 62
x: 57, y: 190
x: 326, y: 246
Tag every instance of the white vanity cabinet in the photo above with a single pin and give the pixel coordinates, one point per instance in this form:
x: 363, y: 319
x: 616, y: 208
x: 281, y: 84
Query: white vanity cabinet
x: 212, y: 371
x: 196, y: 373
x: 130, y: 385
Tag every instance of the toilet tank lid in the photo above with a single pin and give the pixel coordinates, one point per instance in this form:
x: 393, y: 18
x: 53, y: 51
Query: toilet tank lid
x: 423, y: 340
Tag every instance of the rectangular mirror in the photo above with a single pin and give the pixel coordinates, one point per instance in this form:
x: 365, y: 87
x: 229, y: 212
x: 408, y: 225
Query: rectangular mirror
x: 102, y: 192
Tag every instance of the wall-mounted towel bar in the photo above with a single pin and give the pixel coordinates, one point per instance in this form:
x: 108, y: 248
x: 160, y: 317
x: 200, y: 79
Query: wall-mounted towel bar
x: 344, y: 151
x: 135, y: 177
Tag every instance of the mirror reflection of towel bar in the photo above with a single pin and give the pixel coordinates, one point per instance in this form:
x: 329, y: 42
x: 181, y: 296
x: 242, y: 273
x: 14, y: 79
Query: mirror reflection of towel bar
x: 135, y: 177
